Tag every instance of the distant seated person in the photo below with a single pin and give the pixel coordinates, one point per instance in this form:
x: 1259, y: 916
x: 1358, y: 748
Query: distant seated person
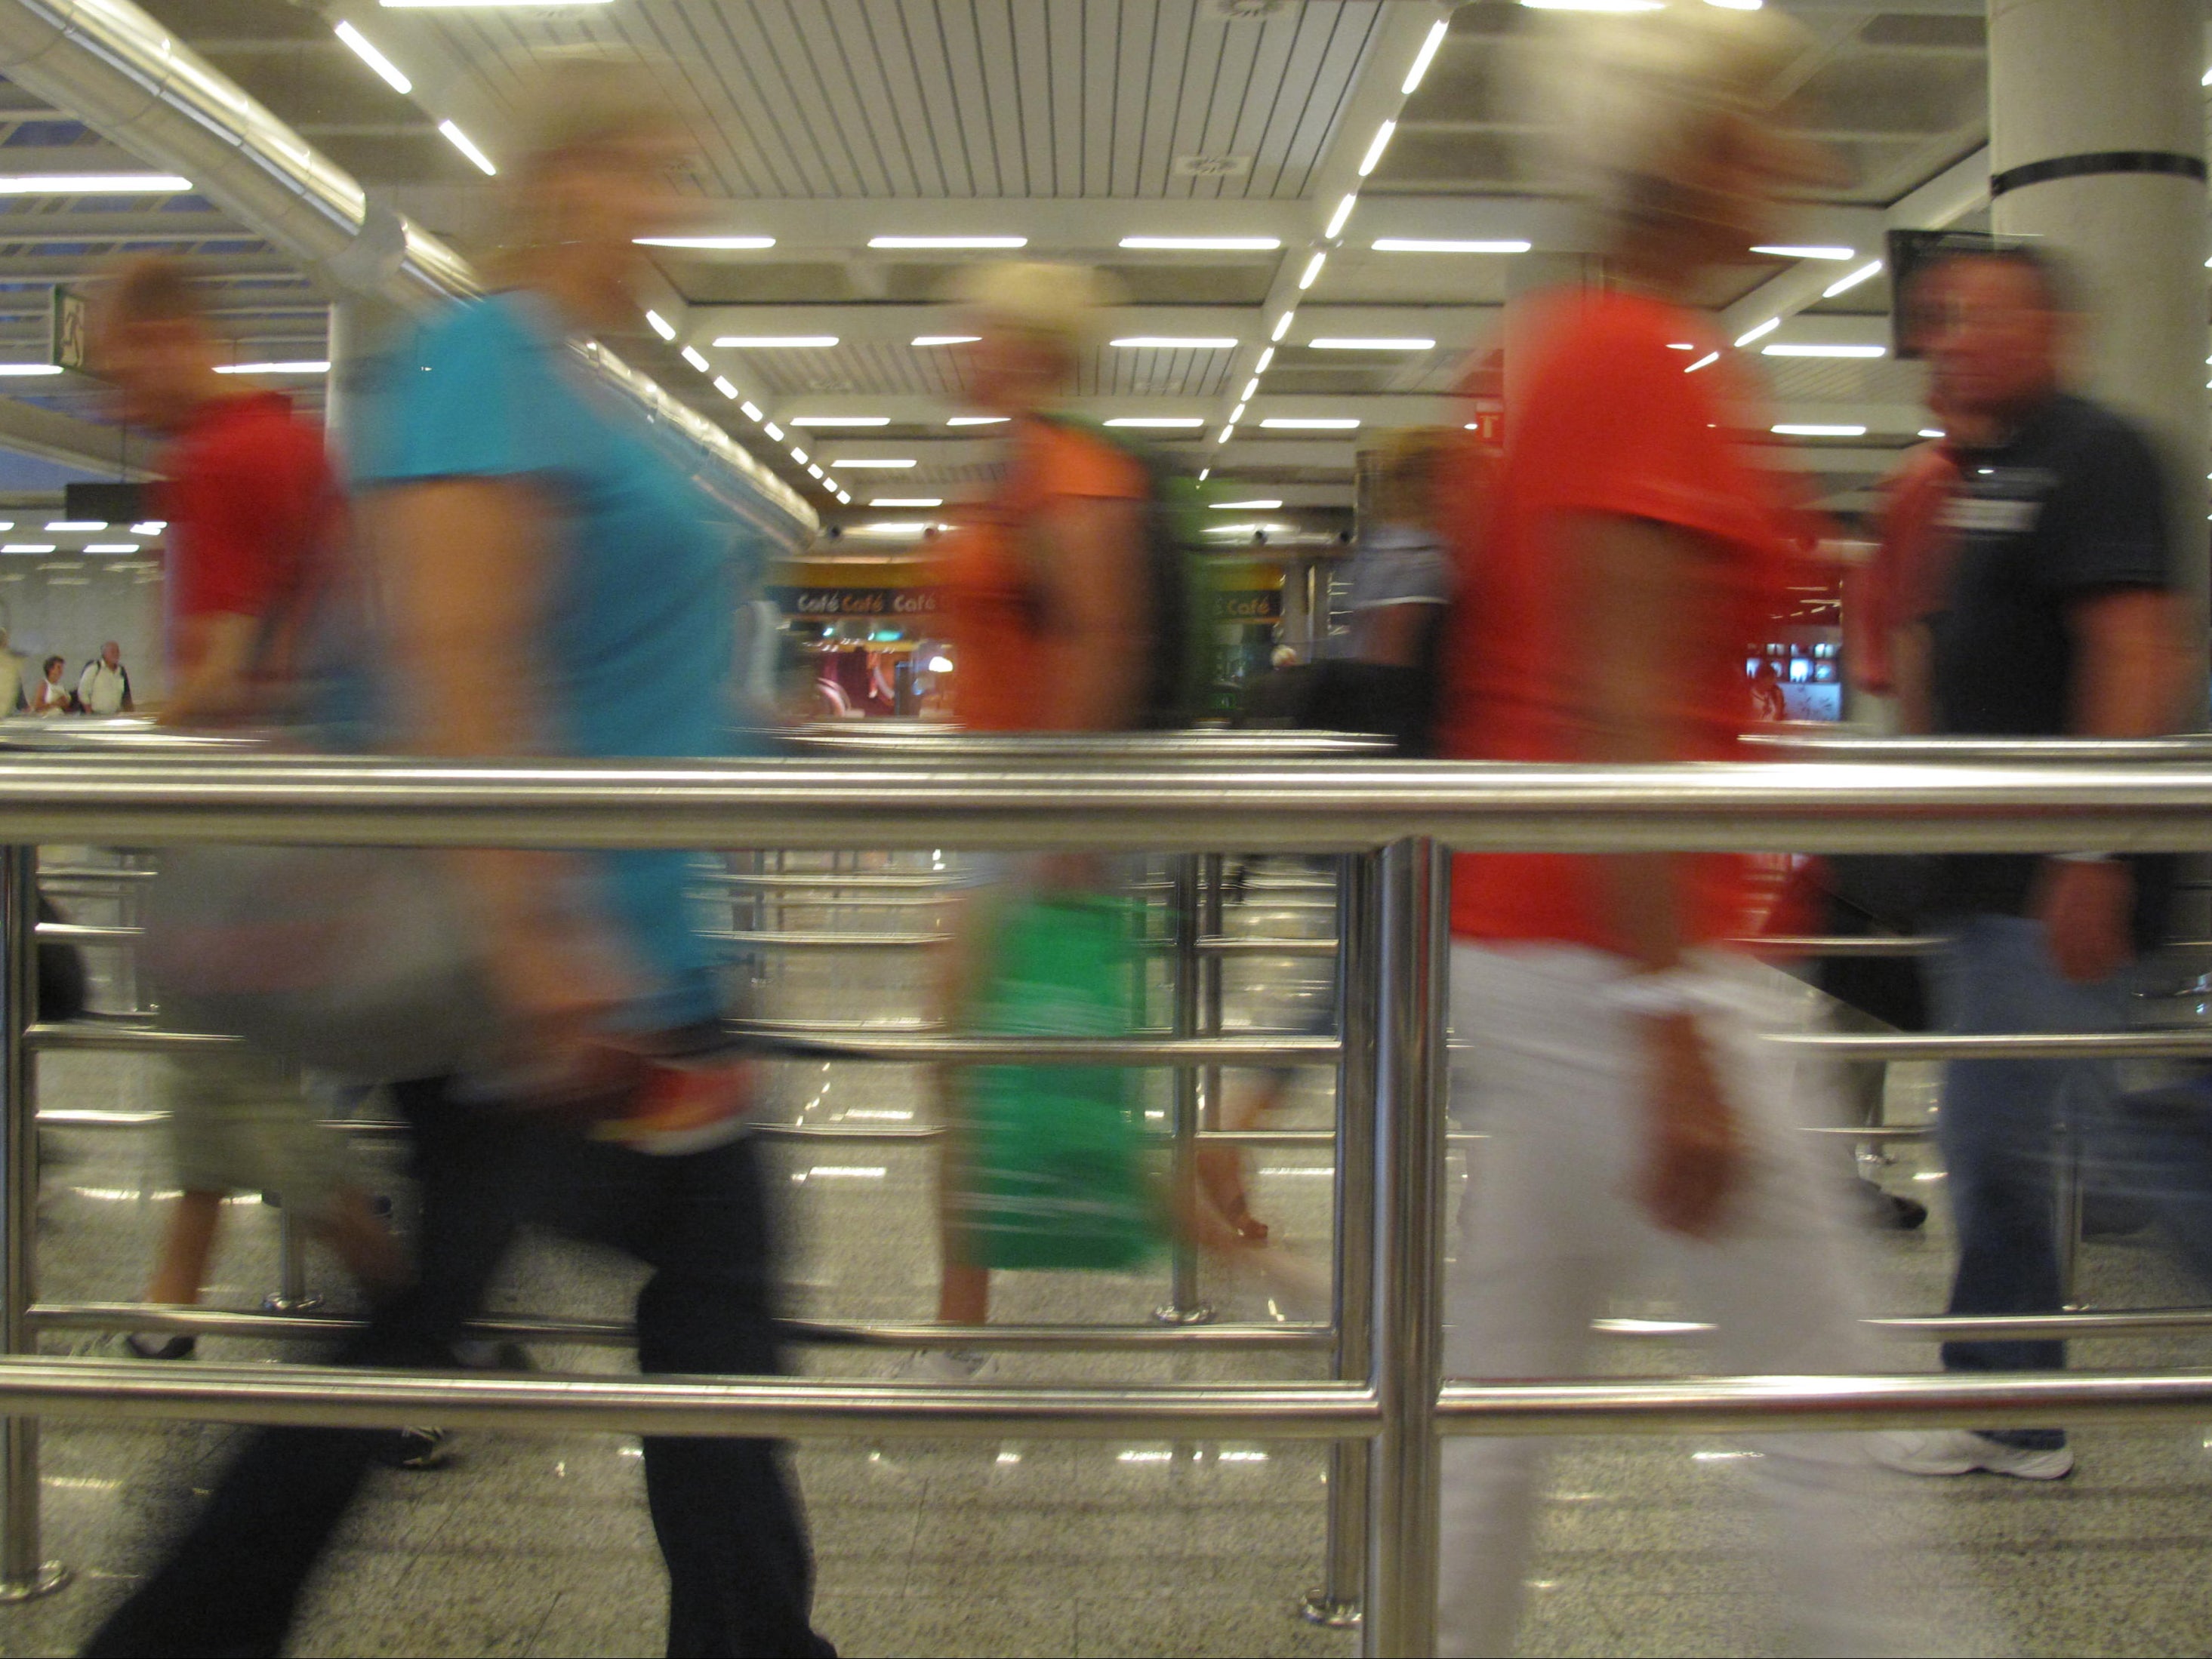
x: 52, y: 697
x: 105, y: 686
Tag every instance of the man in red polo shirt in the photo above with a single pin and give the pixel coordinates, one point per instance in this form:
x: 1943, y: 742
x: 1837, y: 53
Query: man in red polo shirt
x: 251, y: 502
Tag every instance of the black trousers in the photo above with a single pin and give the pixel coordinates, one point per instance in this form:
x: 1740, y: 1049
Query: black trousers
x: 740, y: 1574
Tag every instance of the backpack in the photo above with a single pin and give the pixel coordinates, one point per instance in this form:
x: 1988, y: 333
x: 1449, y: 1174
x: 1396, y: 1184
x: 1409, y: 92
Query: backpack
x: 1180, y: 687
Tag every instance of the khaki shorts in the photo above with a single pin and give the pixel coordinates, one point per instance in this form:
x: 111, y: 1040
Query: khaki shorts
x: 240, y: 1122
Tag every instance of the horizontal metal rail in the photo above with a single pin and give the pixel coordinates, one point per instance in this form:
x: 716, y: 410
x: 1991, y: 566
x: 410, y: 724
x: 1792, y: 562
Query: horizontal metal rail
x: 329, y: 1396
x: 821, y: 1332
x: 1301, y: 806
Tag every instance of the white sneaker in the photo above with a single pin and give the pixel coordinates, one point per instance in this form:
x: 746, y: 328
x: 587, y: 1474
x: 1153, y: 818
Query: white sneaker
x: 948, y: 1368
x: 1961, y: 1451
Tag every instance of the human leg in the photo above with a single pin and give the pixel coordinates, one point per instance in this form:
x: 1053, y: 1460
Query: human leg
x: 1539, y: 1226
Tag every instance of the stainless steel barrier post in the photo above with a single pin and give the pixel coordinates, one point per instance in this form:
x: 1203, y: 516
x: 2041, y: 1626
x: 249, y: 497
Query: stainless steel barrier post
x: 1407, y: 1370
x: 1337, y: 1602
x: 1183, y: 1306
x: 2070, y: 1197
x: 24, y: 1571
x: 291, y: 1294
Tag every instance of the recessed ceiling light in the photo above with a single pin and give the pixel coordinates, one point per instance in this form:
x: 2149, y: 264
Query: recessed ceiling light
x: 660, y: 325
x: 775, y: 342
x: 461, y: 141
x: 1933, y: 432
x: 1226, y: 433
x: 76, y: 526
x: 874, y: 462
x: 26, y: 547
x: 386, y: 70
x: 800, y: 456
x: 1794, y: 251
x: 752, y: 411
x: 1175, y: 343
x: 772, y: 430
x: 1350, y: 344
x: 1434, y: 245
x: 1594, y: 5
x: 906, y: 501
x: 1267, y: 358
x: 1237, y: 413
x: 722, y: 385
x: 1336, y: 219
x: 297, y: 366
x: 948, y: 242
x: 1251, y: 390
x: 1205, y: 244
x: 1425, y: 56
x: 1312, y: 272
x: 1804, y: 429
x: 151, y: 527
x: 36, y: 368
x: 945, y: 339
x: 1864, y: 273
x: 111, y: 547
x: 1157, y: 422
x: 1759, y: 333
x: 1380, y: 142
x: 1786, y: 349
x: 1706, y: 361
x: 841, y: 420
x: 93, y: 184
x: 730, y: 244
x: 691, y: 356
x: 449, y: 5
x: 1243, y: 506
x: 1282, y: 326
x: 978, y: 420
x: 1303, y: 423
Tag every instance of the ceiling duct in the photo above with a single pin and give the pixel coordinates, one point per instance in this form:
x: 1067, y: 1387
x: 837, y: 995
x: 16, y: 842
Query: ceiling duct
x: 117, y: 69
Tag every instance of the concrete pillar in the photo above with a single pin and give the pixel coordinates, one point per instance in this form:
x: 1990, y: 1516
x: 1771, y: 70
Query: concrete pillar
x: 2097, y: 149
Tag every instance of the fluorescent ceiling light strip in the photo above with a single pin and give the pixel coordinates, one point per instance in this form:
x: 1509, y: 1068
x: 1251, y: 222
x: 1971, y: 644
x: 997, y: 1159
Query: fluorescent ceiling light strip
x: 948, y: 242
x: 1425, y: 56
x: 730, y: 244
x: 874, y: 462
x: 1866, y: 272
x: 36, y: 368
x: 1244, y: 506
x: 1759, y: 333
x: 111, y: 547
x: 151, y: 527
x: 455, y: 5
x: 945, y: 339
x: 1305, y: 423
x: 818, y: 473
x: 387, y: 71
x: 752, y: 411
x: 1350, y: 344
x: 1175, y: 343
x: 1251, y: 390
x: 1594, y: 5
x: 28, y: 547
x: 772, y: 430
x: 1267, y: 358
x: 841, y: 420
x: 775, y: 342
x: 1804, y: 429
x: 1282, y: 326
x: 93, y: 184
x: 1799, y: 251
x: 1427, y: 244
x: 722, y: 385
x: 1157, y: 422
x: 1336, y: 219
x: 76, y: 526
x: 461, y: 141
x: 800, y: 456
x: 978, y: 420
x: 691, y: 356
x: 906, y: 501
x: 1204, y: 244
x: 1227, y: 433
x: 660, y: 325
x: 298, y: 366
x: 1381, y: 142
x: 1787, y: 350
x: 1237, y: 413
x: 1933, y: 432
x: 1312, y: 272
x: 1706, y: 361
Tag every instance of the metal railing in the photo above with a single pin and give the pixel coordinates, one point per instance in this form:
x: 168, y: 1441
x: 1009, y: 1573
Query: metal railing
x: 1392, y: 821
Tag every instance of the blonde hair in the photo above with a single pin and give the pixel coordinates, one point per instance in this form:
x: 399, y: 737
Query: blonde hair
x: 1055, y: 303
x: 1620, y: 102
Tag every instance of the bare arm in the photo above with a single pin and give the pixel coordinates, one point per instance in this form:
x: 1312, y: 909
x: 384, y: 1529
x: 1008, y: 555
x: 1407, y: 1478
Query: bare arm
x: 1632, y: 579
x: 1912, y: 655
x: 1089, y: 557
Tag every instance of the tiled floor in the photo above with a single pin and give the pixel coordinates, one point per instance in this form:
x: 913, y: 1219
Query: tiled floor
x: 541, y: 1544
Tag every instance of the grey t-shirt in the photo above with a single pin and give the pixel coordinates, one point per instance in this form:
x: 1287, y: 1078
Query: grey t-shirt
x: 1395, y: 564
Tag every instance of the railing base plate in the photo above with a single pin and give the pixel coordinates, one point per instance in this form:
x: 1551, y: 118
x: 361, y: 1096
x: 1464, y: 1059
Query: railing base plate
x: 1320, y: 1608
x: 1168, y: 1314
x: 52, y: 1576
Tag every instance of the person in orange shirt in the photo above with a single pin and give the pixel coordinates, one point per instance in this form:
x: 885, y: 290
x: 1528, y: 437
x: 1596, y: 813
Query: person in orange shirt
x: 1633, y: 550
x: 1046, y: 603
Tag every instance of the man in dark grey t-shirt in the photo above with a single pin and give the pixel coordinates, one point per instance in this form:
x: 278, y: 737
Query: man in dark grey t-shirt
x: 2058, y: 618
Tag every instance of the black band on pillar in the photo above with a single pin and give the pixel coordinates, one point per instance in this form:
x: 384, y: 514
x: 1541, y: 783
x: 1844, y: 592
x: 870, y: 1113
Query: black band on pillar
x: 2104, y: 161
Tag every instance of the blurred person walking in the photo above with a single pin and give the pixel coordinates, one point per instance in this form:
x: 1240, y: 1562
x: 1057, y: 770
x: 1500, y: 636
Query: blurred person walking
x: 2054, y: 613
x: 554, y: 583
x: 104, y: 688
x: 1635, y: 548
x: 252, y: 506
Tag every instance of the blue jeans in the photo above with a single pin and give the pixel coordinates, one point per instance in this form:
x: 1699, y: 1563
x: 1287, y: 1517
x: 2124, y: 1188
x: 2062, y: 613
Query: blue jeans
x: 2001, y: 1132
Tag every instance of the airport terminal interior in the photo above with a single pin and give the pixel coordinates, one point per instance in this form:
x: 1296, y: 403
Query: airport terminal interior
x: 1313, y: 220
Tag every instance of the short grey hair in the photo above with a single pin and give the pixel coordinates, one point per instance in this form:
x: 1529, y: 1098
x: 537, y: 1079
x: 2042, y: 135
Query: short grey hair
x: 1617, y: 102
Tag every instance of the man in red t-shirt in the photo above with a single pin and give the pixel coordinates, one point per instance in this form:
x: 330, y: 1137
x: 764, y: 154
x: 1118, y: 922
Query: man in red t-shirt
x: 1632, y: 548
x: 251, y: 501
